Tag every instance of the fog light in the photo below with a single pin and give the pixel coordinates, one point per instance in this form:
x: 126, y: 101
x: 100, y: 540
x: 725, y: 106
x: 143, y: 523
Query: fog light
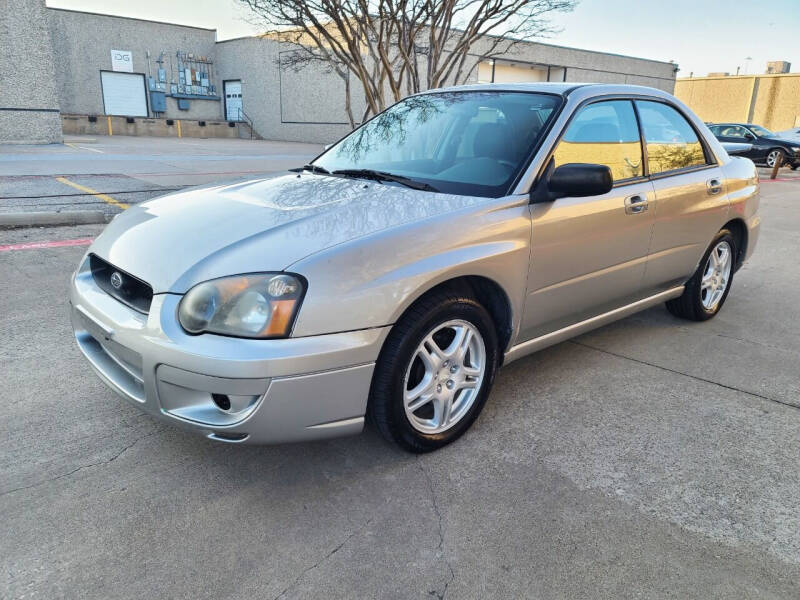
x: 222, y: 401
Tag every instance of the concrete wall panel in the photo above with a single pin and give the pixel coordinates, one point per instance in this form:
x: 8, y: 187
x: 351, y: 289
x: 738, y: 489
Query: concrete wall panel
x: 772, y: 101
x: 29, y: 104
x: 82, y: 44
x: 306, y: 112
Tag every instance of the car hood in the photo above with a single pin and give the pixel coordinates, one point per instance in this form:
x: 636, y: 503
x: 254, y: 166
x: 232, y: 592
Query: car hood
x: 179, y: 240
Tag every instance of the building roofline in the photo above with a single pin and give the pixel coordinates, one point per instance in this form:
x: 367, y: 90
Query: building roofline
x: 652, y: 60
x: 256, y: 36
x: 97, y: 14
x: 513, y: 59
x: 739, y: 76
x: 244, y: 37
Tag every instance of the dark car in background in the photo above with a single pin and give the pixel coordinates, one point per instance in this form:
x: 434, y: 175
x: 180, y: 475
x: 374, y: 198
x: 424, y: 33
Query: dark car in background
x: 767, y: 147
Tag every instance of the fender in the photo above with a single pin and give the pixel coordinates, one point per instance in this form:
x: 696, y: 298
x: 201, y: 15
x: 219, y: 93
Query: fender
x: 371, y: 281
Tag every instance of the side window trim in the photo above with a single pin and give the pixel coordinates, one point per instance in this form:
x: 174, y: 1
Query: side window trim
x: 710, y: 157
x: 682, y: 171
x: 642, y: 141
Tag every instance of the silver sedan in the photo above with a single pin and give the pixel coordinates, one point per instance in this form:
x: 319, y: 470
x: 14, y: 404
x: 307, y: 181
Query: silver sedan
x: 393, y: 275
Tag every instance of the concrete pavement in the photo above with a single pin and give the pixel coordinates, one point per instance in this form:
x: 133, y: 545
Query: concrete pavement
x: 653, y: 458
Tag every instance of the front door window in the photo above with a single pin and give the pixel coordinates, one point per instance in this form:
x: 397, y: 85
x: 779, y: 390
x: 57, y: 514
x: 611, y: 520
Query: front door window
x: 604, y: 133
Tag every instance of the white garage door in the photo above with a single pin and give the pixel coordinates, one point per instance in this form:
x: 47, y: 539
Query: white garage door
x: 233, y: 100
x: 123, y: 94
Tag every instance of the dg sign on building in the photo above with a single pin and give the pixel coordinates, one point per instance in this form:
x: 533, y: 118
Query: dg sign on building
x: 122, y: 60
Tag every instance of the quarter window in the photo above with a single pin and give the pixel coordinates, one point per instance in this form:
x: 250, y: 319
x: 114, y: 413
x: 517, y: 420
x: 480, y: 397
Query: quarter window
x: 604, y: 133
x: 672, y: 143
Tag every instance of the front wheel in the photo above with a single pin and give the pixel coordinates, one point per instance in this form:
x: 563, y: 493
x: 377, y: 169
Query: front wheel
x: 706, y: 291
x: 434, y: 373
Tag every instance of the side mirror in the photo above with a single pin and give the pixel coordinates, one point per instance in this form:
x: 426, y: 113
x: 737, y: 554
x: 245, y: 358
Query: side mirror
x: 749, y: 136
x: 574, y: 180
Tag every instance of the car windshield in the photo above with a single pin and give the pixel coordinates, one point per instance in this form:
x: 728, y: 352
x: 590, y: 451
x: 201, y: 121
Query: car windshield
x: 760, y: 131
x: 471, y: 143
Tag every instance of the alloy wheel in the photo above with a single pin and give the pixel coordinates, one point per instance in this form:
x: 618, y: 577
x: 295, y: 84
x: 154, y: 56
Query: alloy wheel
x: 772, y: 158
x: 716, y: 275
x: 444, y: 377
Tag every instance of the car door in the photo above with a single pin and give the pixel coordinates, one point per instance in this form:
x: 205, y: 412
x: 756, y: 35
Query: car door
x: 588, y: 254
x: 742, y: 135
x: 690, y: 198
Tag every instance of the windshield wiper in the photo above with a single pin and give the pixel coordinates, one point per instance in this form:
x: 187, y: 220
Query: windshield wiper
x: 384, y: 176
x: 312, y: 168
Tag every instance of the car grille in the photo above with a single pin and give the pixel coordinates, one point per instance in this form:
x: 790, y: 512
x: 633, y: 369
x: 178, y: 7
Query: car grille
x: 121, y: 285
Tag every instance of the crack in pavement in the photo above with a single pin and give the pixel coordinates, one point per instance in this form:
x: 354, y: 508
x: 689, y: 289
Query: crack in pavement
x: 695, y: 377
x: 322, y: 560
x: 80, y: 468
x: 440, y: 547
x: 755, y: 343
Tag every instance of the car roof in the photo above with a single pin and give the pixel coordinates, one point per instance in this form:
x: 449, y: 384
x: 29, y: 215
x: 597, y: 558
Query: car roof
x: 552, y: 87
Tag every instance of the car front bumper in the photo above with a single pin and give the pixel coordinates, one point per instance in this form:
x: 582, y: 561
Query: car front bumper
x: 281, y: 390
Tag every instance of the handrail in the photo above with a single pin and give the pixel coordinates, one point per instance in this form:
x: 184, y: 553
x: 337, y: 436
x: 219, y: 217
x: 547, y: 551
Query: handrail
x: 243, y: 117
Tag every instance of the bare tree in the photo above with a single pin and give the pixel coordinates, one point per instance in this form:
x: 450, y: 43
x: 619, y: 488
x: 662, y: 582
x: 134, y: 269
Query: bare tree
x: 398, y: 47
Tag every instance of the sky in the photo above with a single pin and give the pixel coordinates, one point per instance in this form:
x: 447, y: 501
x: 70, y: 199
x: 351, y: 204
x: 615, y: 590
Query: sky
x: 701, y: 36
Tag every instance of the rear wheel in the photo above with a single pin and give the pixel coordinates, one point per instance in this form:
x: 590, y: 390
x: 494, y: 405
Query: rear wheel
x: 706, y: 291
x: 434, y: 373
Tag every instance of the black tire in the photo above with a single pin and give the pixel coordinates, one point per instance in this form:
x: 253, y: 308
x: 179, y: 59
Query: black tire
x: 386, y: 408
x: 690, y: 304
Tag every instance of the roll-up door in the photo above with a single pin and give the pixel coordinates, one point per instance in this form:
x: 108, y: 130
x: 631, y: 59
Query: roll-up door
x: 124, y: 94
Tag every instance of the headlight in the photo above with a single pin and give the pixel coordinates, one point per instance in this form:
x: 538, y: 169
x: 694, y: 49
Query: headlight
x: 795, y: 149
x: 260, y: 305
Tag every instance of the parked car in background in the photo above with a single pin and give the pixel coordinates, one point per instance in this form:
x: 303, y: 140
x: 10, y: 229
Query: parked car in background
x: 392, y: 276
x: 767, y: 146
x: 790, y: 134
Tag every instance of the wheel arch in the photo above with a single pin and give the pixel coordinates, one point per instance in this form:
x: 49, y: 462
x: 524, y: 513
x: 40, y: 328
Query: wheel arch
x: 485, y: 290
x: 739, y: 230
x: 780, y: 149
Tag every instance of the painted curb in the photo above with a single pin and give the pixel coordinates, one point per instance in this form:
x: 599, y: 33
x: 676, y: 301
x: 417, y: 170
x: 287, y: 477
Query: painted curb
x: 51, y: 219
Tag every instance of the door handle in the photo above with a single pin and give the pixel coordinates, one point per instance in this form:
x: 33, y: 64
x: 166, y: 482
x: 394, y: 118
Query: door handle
x: 714, y: 186
x: 635, y: 204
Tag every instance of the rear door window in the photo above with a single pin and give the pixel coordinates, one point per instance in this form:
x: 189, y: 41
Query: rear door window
x: 671, y: 142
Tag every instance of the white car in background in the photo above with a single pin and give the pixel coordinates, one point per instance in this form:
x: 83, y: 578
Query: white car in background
x: 790, y: 134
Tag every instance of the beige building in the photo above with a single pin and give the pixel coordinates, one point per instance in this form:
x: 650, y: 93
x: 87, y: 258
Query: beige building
x: 772, y: 101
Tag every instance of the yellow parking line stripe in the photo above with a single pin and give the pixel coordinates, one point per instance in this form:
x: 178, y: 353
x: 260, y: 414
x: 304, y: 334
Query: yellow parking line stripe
x: 71, y: 145
x: 104, y: 197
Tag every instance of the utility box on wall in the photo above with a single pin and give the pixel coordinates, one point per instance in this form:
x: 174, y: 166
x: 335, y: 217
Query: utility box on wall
x: 158, y: 102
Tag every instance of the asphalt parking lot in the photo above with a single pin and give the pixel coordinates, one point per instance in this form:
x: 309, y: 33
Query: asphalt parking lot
x: 108, y: 173
x: 652, y: 458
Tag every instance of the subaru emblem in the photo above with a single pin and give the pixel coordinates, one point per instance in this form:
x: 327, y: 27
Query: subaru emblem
x: 116, y: 280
